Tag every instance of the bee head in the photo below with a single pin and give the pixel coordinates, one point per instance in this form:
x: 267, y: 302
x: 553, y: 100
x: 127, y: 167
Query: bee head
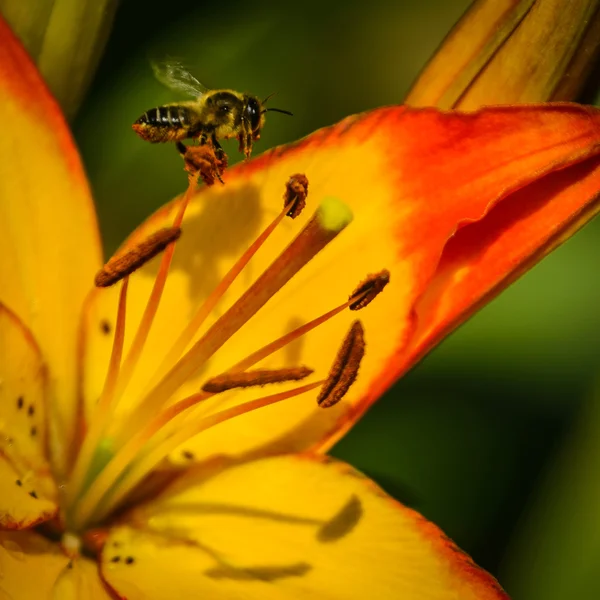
x: 254, y: 114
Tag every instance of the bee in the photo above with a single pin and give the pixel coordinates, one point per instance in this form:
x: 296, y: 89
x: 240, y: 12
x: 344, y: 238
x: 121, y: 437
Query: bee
x: 212, y: 116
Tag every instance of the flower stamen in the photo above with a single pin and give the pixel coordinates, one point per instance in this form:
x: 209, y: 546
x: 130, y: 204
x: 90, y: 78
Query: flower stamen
x: 89, y: 509
x: 119, y: 375
x: 345, y: 367
x: 103, y: 409
x: 368, y: 289
x: 259, y: 377
x: 356, y: 300
x: 210, y: 303
x: 296, y: 191
x: 145, y: 324
x: 121, y: 265
x: 330, y: 219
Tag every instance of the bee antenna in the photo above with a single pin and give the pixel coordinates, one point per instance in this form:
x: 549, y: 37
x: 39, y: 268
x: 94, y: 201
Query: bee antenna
x: 279, y: 110
x: 269, y: 96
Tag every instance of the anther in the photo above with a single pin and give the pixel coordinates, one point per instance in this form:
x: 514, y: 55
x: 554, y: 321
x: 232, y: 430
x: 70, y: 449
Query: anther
x: 369, y: 288
x: 120, y: 266
x: 258, y: 377
x: 296, y: 190
x: 345, y: 367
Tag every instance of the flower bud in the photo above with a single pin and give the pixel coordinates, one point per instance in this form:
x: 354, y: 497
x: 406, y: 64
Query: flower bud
x: 512, y: 51
x: 65, y: 39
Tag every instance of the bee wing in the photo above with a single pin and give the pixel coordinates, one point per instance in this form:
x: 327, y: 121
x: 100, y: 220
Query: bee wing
x: 175, y: 76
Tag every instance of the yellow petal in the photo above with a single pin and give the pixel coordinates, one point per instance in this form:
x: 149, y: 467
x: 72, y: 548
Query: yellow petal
x: 49, y: 243
x: 28, y: 491
x: 381, y: 165
x: 80, y: 580
x: 287, y: 527
x: 22, y: 505
x: 29, y: 565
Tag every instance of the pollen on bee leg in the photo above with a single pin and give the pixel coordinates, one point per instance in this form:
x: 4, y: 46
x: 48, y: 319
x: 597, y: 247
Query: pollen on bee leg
x: 121, y: 265
x: 296, y: 191
x: 259, y: 377
x: 368, y: 289
x: 344, y: 370
x: 203, y: 161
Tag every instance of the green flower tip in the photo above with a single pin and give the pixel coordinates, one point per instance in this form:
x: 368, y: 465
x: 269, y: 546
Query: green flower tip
x: 333, y: 214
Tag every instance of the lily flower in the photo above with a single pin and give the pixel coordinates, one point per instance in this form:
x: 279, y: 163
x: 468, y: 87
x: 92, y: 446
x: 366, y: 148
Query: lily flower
x: 140, y: 455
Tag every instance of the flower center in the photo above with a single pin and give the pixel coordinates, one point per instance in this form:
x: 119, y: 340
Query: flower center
x: 112, y: 463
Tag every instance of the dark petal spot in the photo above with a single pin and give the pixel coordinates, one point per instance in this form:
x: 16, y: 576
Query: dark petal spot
x: 115, y: 559
x: 129, y: 560
x: 20, y: 402
x: 187, y: 454
x: 31, y: 410
x: 33, y: 431
x: 19, y: 483
x: 70, y: 565
x: 116, y: 544
x: 33, y: 494
x: 105, y: 327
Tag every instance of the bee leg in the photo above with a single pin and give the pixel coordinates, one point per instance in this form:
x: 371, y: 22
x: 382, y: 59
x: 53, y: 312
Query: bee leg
x: 202, y: 138
x: 248, y: 149
x: 181, y: 148
x: 219, y: 152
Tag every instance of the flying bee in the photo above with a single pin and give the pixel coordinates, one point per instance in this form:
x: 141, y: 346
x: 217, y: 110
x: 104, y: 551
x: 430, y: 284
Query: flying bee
x: 213, y: 115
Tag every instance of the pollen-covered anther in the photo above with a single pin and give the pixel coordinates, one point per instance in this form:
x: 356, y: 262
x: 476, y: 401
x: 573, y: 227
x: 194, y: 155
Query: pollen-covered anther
x: 296, y: 191
x: 344, y: 370
x: 258, y: 377
x: 368, y: 289
x: 122, y: 265
x: 203, y: 161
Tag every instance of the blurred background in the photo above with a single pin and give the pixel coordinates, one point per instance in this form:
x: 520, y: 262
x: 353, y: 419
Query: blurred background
x: 496, y: 435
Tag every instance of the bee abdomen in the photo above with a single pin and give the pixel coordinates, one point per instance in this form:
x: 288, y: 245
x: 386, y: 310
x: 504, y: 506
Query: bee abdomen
x: 163, y: 123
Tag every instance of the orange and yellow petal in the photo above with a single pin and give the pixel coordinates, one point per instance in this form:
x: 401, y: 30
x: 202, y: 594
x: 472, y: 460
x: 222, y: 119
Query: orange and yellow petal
x: 486, y: 256
x: 49, y: 242
x: 412, y: 178
x: 286, y: 527
x: 28, y: 491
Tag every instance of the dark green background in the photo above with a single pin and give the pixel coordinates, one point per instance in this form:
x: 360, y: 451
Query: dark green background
x: 495, y: 435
